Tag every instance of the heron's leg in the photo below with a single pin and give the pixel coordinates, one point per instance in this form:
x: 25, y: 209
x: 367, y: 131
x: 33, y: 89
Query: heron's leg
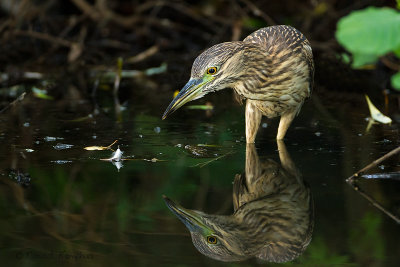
x: 286, y: 160
x: 287, y: 163
x: 253, y: 119
x: 284, y: 123
x: 253, y: 166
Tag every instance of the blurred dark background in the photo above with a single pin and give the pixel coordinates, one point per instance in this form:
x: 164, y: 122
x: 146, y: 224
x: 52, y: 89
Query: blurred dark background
x: 77, y: 36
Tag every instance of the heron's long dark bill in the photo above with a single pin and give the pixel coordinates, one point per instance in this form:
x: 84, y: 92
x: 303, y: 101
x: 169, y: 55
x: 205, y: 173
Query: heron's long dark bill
x: 189, y: 92
x: 190, y: 218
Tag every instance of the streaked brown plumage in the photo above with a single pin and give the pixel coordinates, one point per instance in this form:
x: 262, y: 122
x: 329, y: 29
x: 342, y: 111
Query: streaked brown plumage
x: 272, y: 68
x: 272, y: 219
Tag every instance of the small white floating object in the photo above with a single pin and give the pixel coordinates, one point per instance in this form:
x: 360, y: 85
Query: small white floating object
x: 376, y: 114
x: 60, y: 146
x: 117, y: 164
x: 116, y: 156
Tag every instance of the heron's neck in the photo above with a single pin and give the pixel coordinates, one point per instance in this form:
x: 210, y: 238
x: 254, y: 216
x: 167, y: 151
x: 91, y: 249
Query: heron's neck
x: 252, y: 71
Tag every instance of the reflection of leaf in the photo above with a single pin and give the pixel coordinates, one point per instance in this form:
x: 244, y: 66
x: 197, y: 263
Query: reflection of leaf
x: 376, y: 114
x: 370, y: 243
x: 319, y: 254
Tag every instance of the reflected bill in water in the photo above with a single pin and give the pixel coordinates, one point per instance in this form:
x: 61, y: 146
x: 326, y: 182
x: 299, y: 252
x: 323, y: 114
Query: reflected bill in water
x: 273, y: 215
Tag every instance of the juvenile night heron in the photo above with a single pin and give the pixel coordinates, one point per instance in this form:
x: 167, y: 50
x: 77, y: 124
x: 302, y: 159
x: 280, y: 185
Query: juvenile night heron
x: 273, y: 215
x: 272, y: 68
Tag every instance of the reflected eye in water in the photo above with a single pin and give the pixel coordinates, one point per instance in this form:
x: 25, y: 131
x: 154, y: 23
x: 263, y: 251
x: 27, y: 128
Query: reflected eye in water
x: 212, y: 239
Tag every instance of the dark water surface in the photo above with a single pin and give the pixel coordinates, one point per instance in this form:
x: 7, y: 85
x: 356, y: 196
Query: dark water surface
x: 75, y: 209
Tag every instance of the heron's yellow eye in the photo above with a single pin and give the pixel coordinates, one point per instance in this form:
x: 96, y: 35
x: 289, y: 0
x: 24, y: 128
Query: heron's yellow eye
x: 212, y: 70
x: 212, y: 239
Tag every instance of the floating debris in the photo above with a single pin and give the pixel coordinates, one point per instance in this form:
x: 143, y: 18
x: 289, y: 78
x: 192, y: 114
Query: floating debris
x: 197, y: 151
x: 116, y: 155
x: 60, y: 146
x: 29, y: 150
x: 207, y: 145
x: 100, y: 147
x: 157, y: 129
x: 388, y: 175
x: 20, y: 178
x: 154, y: 160
x: 376, y: 114
x: 52, y: 139
x: 61, y: 161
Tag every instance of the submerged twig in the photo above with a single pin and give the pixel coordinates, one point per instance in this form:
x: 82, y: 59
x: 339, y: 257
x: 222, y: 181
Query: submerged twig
x: 374, y: 202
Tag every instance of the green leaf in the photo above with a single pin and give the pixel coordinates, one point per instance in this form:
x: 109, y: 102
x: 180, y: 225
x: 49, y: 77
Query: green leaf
x: 397, y: 51
x: 370, y: 31
x: 360, y: 59
x: 39, y: 93
x: 396, y: 81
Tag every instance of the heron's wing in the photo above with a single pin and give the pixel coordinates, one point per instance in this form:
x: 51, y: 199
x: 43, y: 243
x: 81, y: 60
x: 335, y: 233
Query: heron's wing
x: 280, y: 38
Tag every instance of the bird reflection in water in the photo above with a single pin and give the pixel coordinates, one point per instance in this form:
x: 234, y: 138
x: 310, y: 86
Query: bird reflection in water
x: 273, y: 214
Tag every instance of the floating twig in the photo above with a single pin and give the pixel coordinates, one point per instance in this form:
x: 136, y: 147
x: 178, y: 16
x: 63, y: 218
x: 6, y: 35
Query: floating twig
x: 373, y: 164
x: 100, y: 147
x: 202, y: 164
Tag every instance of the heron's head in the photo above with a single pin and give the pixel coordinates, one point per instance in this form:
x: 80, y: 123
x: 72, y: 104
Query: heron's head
x: 216, y: 68
x: 210, y: 233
